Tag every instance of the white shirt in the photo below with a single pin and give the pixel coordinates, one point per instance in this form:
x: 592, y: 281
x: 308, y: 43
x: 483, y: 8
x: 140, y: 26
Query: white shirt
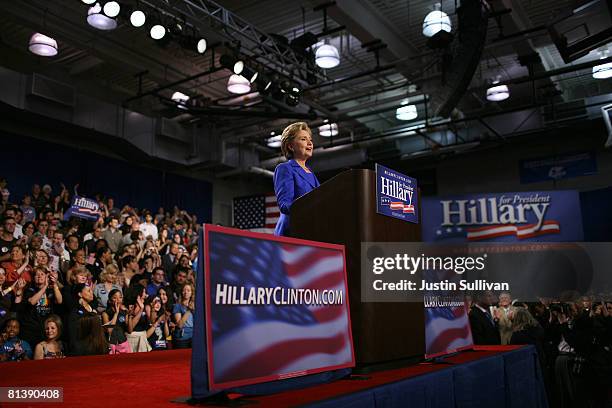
x: 147, y: 229
x: 18, y: 233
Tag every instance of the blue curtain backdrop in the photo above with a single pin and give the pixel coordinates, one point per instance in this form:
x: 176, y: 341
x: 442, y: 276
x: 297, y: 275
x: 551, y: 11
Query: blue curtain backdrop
x: 26, y: 161
x: 596, y: 215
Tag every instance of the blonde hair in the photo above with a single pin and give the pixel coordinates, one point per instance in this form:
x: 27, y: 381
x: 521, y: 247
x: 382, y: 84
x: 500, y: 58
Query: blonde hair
x: 78, y: 270
x: 109, y: 270
x: 289, y: 134
x: 522, y: 319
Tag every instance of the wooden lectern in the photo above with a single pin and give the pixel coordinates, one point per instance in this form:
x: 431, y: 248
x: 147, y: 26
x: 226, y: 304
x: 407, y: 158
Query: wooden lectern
x: 343, y: 211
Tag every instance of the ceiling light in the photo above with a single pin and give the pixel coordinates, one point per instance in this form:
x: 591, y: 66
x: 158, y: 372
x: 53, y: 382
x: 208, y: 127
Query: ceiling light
x: 327, y: 56
x: 179, y: 97
x: 328, y: 130
x: 138, y: 18
x: 96, y: 19
x: 602, y: 71
x: 112, y: 9
x: 238, y: 84
x: 436, y: 21
x: 201, y: 45
x: 406, y: 112
x: 157, y: 32
x: 88, y: 1
x: 238, y: 67
x: 498, y: 93
x: 42, y: 45
x: 249, y: 74
x: 275, y: 141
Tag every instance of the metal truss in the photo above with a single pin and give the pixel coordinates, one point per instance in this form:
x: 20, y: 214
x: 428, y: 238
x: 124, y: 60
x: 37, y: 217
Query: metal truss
x: 254, y: 43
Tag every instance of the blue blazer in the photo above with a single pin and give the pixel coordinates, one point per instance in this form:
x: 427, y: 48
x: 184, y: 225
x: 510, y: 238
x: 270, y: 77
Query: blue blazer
x: 290, y: 183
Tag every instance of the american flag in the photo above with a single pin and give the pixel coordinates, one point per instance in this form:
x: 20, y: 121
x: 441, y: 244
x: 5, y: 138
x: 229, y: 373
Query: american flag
x: 499, y: 230
x: 256, y: 213
x: 447, y: 328
x: 256, y: 341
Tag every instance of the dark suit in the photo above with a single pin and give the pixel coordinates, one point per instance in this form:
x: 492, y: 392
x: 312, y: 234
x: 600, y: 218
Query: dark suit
x: 484, y: 330
x: 169, y: 266
x: 290, y: 183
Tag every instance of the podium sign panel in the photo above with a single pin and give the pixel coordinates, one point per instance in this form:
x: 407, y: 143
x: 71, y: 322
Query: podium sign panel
x: 276, y: 307
x: 396, y: 195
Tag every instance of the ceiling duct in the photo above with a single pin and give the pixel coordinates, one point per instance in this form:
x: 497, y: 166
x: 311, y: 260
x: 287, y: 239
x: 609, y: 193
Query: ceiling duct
x: 172, y: 130
x: 51, y: 90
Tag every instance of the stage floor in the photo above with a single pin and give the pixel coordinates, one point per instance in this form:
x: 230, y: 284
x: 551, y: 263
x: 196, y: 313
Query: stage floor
x: 157, y: 379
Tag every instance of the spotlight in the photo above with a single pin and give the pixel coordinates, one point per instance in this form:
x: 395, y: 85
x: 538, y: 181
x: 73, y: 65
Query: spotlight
x: 498, y: 93
x: 328, y: 130
x: 249, y: 74
x: 112, y: 9
x: 179, y: 97
x: 602, y: 71
x: 406, y: 112
x: 327, y: 56
x: 238, y: 67
x: 157, y: 32
x: 201, y: 45
x: 42, y: 45
x: 436, y: 21
x: 88, y: 2
x: 274, y: 141
x: 138, y: 18
x: 238, y: 84
x: 97, y: 19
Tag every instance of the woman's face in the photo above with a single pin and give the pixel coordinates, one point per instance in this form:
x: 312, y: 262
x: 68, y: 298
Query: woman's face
x: 42, y: 258
x: 157, y: 305
x: 12, y: 329
x: 87, y: 294
x: 129, y: 221
x: 187, y: 292
x: 81, y: 277
x: 184, y: 261
x: 29, y: 230
x: 79, y: 257
x: 177, y: 238
x: 17, y: 254
x: 39, y: 277
x: 117, y: 298
x: 302, y: 146
x: 2, y: 276
x: 111, y: 277
x: 51, y: 331
x: 163, y: 296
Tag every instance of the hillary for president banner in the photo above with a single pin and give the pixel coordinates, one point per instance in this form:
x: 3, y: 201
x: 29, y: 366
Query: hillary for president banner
x: 81, y: 207
x: 276, y: 307
x: 396, y: 195
x: 544, y: 216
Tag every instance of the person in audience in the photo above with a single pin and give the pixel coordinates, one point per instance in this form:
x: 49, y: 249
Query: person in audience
x: 112, y: 235
x: 41, y: 259
x: 159, y: 331
x: 170, y: 260
x: 18, y: 266
x: 90, y: 239
x: 104, y: 257
x: 527, y: 330
x: 180, y: 279
x: 484, y: 326
x: 73, y: 244
x: 138, y: 321
x: 52, y: 346
x: 129, y: 270
x: 90, y: 338
x: 60, y: 257
x: 83, y: 296
x: 7, y: 238
x: 42, y: 228
x: 28, y: 230
x: 29, y: 212
x: 148, y: 228
x: 183, y: 318
x: 40, y: 300
x: 108, y: 283
x: 157, y: 281
x: 165, y: 296
x: 503, y: 314
x: 115, y: 319
x: 12, y: 347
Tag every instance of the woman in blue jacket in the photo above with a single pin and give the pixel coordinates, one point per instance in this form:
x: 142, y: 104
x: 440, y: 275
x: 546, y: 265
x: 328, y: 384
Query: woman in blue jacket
x: 293, y: 179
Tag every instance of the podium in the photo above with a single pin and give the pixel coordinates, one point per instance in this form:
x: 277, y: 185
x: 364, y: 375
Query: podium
x: 343, y: 211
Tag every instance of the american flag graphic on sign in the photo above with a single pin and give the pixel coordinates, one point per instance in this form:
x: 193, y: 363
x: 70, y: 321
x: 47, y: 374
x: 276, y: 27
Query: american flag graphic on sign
x: 252, y: 343
x: 447, y: 323
x: 256, y: 213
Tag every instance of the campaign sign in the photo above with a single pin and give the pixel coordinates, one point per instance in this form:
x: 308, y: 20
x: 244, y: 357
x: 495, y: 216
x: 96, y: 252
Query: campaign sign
x: 396, y: 195
x: 558, y: 167
x: 81, y: 207
x: 544, y: 216
x: 276, y: 307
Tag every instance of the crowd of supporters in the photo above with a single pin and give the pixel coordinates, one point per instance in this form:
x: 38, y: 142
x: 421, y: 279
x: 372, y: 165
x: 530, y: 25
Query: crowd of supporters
x: 124, y: 283
x: 573, y: 340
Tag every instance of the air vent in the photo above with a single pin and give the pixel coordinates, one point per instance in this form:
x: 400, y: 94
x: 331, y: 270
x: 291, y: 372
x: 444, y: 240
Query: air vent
x: 172, y: 130
x: 51, y: 90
